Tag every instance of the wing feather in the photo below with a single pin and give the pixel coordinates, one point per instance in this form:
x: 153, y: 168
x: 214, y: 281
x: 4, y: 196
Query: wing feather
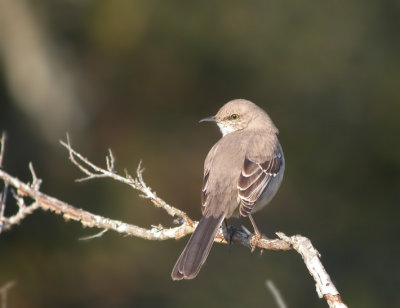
x: 254, y: 179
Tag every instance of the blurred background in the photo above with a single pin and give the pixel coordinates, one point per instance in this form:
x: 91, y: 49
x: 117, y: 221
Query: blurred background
x: 136, y: 76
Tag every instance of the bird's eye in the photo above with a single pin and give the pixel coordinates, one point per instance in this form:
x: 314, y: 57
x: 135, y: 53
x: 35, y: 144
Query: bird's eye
x: 234, y: 116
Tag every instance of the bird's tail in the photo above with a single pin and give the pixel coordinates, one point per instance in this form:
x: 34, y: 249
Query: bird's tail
x: 197, y: 249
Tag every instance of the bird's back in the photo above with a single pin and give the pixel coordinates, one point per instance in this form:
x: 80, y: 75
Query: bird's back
x: 223, y: 167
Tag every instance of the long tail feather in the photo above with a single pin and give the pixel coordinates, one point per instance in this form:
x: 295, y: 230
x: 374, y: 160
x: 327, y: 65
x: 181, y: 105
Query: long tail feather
x: 197, y: 249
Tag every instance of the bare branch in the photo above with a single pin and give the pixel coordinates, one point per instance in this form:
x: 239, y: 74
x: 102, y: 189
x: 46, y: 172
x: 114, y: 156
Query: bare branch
x: 87, y: 219
x: 92, y: 171
x: 186, y: 225
x: 311, y: 257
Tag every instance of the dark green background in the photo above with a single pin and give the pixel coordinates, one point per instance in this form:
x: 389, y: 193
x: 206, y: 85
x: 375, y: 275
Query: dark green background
x: 327, y: 72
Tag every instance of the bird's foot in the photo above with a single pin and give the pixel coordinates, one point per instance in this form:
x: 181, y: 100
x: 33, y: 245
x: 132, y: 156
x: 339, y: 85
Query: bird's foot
x: 254, y: 241
x: 228, y: 232
x: 256, y: 237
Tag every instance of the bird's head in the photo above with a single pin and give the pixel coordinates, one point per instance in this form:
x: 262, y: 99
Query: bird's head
x: 237, y: 115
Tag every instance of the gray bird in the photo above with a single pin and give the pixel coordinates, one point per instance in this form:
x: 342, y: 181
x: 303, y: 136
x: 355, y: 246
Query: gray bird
x: 242, y: 173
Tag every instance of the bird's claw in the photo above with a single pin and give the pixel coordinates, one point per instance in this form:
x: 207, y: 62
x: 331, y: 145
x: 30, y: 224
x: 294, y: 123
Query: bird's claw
x: 254, y: 241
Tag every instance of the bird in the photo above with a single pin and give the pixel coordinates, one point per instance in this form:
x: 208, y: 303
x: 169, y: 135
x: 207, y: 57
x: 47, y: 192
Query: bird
x: 242, y: 173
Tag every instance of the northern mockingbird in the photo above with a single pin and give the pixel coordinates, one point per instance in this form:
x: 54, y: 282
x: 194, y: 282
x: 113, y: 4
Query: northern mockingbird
x: 242, y: 173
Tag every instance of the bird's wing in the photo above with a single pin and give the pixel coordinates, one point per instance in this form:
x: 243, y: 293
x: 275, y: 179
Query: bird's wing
x: 255, y: 178
x: 207, y: 166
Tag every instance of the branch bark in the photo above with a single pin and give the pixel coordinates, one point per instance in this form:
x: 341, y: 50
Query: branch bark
x: 185, y: 225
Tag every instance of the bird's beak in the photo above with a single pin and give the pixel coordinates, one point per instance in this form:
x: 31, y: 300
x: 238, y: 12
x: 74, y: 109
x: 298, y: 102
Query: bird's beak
x: 208, y: 119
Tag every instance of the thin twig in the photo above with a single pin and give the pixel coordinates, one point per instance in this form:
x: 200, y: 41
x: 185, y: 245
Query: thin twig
x: 100, y: 234
x: 36, y: 182
x: 4, y: 292
x: 275, y: 293
x: 3, y: 206
x: 2, y: 146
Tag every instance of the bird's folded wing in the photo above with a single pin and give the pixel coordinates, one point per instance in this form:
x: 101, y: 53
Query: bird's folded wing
x: 254, y: 179
x: 207, y: 165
